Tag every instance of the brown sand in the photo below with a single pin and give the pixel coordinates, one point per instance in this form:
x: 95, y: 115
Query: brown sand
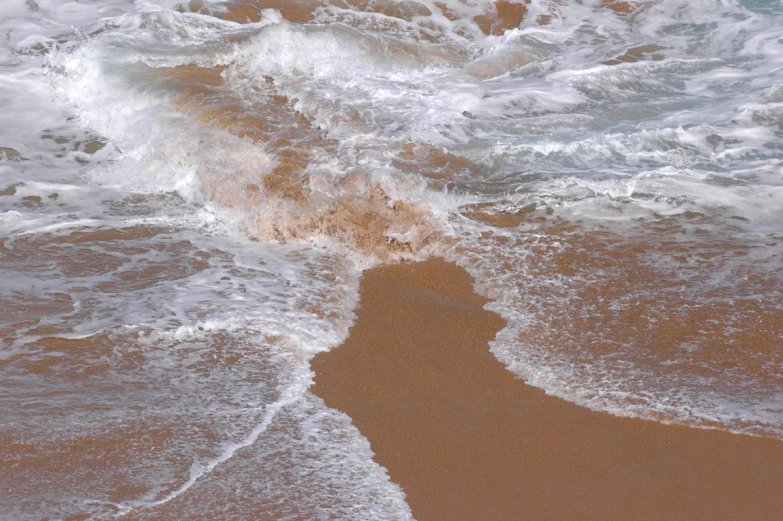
x: 468, y: 441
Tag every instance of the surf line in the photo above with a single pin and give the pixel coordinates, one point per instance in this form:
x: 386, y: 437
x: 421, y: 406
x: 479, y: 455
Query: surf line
x: 466, y: 439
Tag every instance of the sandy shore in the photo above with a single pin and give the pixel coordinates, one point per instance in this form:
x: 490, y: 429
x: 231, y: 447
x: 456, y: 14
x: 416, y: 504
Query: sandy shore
x: 468, y: 441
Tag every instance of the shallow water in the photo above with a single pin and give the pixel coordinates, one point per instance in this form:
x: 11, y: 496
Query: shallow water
x: 189, y: 193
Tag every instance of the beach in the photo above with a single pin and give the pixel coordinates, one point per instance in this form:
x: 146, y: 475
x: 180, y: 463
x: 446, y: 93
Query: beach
x: 391, y: 260
x: 467, y: 440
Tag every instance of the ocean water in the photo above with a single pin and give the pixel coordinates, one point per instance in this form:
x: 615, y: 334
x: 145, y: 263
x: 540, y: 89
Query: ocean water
x: 189, y: 193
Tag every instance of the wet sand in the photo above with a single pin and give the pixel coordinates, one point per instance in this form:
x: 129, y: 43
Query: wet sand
x: 467, y: 440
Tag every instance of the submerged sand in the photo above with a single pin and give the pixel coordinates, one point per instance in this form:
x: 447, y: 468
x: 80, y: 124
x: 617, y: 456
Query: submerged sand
x: 467, y: 440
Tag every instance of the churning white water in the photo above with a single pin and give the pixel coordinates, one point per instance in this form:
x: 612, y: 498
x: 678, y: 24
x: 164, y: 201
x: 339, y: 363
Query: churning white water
x: 190, y: 192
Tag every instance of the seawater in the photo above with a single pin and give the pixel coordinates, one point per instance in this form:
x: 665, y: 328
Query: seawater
x: 189, y: 193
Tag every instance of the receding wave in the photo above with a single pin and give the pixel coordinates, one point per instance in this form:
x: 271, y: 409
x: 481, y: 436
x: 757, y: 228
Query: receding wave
x: 189, y: 192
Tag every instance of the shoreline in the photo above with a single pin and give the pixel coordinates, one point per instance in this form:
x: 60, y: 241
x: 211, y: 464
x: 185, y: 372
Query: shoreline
x: 466, y: 439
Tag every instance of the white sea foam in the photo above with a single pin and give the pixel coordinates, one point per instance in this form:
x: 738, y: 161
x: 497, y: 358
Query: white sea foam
x: 125, y: 213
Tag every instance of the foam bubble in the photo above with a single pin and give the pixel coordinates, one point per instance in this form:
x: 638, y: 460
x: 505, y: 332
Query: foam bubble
x: 191, y: 192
